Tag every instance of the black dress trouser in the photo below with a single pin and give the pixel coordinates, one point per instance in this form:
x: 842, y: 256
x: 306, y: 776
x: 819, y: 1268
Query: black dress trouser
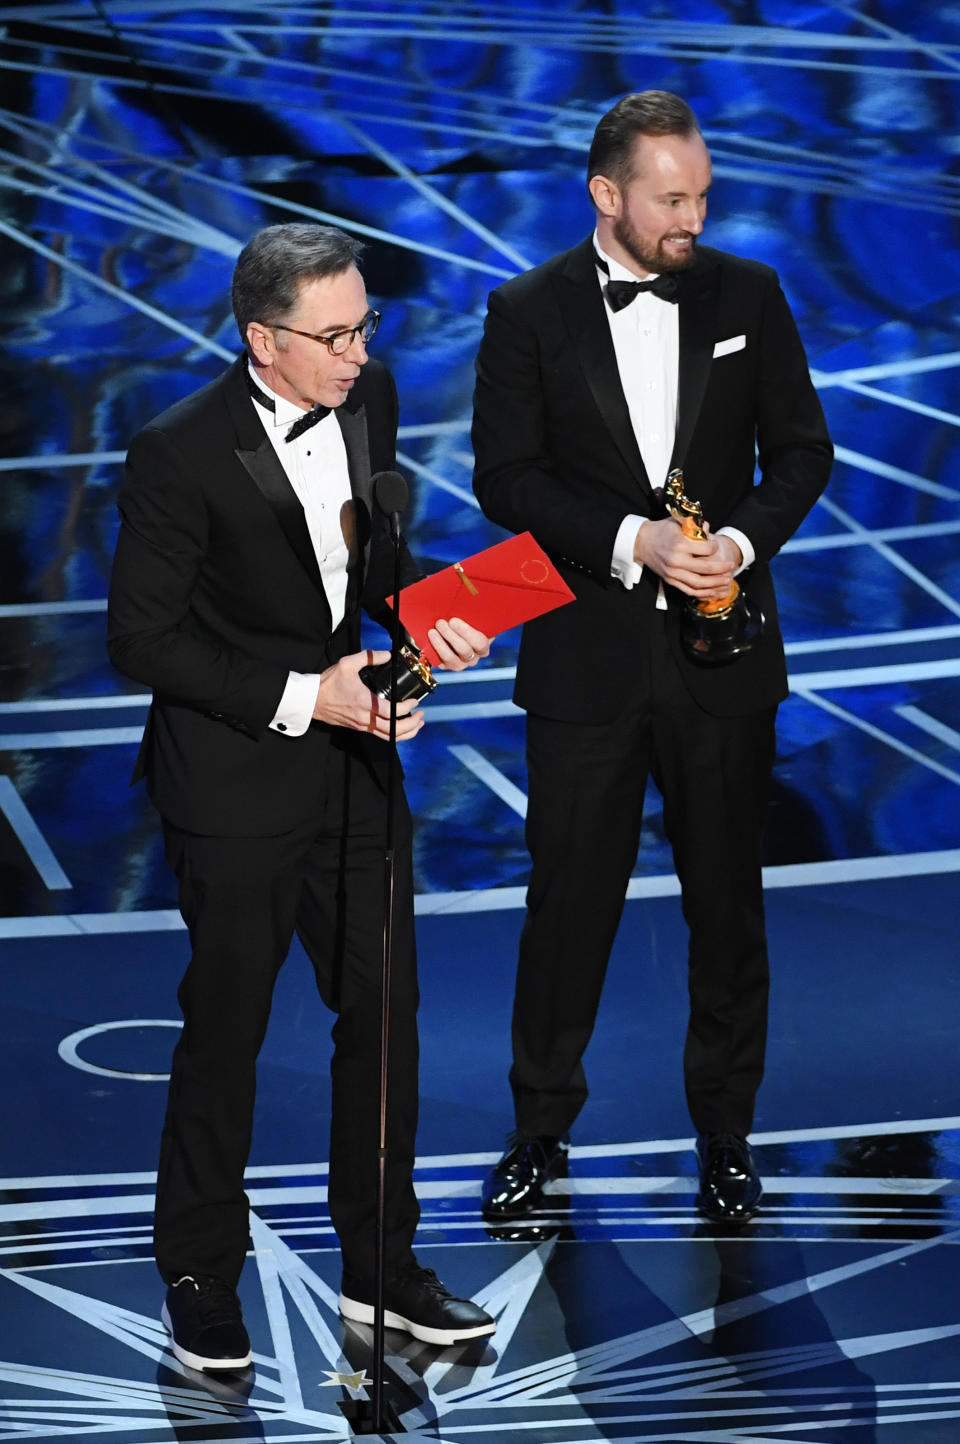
x: 242, y: 899
x: 586, y: 790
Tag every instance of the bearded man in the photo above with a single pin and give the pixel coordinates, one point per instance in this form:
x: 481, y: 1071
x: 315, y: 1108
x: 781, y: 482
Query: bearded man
x: 602, y: 370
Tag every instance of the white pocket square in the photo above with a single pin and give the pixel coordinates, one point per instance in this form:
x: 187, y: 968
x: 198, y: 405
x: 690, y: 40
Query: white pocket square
x: 723, y: 348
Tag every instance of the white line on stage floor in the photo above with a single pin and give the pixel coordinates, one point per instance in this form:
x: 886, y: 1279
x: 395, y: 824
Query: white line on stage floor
x: 496, y: 780
x: 74, y: 737
x: 929, y: 670
x: 826, y: 1134
x: 896, y: 1127
x: 931, y: 725
x: 111, y: 1205
x: 789, y: 875
x: 32, y: 840
x: 143, y: 699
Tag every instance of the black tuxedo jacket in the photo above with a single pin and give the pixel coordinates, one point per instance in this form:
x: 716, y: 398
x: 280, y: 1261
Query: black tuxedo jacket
x: 556, y: 454
x: 216, y: 595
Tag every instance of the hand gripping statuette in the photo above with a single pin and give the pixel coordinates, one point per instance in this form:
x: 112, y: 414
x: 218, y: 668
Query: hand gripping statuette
x: 414, y: 676
x: 714, y: 631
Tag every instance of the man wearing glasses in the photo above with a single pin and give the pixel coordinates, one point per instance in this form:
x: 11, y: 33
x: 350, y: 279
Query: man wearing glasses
x: 249, y: 543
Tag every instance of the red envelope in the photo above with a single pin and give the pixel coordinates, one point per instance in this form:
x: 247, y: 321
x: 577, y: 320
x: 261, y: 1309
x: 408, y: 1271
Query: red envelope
x: 497, y: 589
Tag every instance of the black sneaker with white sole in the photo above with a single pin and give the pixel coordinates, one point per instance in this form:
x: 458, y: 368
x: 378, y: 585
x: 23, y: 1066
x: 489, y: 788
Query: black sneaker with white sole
x: 415, y: 1301
x: 205, y: 1323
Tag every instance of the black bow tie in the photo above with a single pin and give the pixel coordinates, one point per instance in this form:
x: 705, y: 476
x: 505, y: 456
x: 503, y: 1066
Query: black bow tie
x: 308, y: 419
x: 621, y: 293
x: 302, y: 424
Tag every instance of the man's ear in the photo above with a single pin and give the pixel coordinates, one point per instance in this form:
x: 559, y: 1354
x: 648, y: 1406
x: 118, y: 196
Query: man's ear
x: 606, y: 196
x: 260, y: 340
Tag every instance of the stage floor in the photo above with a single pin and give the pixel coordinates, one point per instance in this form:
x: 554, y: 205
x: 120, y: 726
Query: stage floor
x: 620, y: 1315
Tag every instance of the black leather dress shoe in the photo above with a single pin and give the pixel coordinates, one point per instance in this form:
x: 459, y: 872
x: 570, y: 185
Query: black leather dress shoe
x: 203, y: 1317
x: 515, y: 1185
x: 415, y: 1301
x: 730, y: 1187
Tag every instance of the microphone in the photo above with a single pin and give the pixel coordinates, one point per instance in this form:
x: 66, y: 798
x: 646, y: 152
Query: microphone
x: 406, y: 674
x: 392, y: 494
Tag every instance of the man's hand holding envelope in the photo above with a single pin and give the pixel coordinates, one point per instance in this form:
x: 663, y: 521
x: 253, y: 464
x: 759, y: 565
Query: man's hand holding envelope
x: 492, y: 591
x: 451, y: 616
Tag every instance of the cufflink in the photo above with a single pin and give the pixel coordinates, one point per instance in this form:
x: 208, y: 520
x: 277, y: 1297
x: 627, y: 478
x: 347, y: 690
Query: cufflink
x: 281, y: 726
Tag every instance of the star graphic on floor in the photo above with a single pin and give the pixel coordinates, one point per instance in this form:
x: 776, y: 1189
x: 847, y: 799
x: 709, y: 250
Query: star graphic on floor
x: 352, y: 1381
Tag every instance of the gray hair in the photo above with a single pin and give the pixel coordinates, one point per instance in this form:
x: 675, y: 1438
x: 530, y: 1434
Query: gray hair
x: 276, y: 261
x: 648, y: 112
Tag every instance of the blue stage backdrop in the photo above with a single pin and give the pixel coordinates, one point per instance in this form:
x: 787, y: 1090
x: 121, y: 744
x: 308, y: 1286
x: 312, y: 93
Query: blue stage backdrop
x: 142, y: 144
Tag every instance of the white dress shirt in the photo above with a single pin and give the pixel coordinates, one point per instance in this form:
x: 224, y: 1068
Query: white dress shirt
x: 646, y: 342
x: 315, y: 464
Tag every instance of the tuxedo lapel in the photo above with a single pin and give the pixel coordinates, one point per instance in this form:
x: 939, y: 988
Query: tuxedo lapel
x: 352, y: 418
x: 699, y: 301
x: 353, y: 428
x: 257, y: 457
x: 583, y: 309
x: 265, y: 471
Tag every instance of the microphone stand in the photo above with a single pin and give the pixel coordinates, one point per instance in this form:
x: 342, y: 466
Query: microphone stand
x: 379, y: 1417
x: 384, y: 1418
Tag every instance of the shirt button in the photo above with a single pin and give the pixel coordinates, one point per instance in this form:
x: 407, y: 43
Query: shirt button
x: 647, y: 331
x: 654, y: 436
x: 281, y: 726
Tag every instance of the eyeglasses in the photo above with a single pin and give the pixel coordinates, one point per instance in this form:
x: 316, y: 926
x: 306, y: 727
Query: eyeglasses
x: 338, y: 341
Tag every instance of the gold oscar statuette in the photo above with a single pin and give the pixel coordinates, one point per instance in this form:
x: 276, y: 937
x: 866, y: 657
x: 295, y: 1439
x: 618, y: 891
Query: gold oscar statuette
x: 719, y: 630
x: 414, y: 677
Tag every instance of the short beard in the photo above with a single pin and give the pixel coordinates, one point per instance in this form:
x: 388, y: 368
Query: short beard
x: 659, y: 261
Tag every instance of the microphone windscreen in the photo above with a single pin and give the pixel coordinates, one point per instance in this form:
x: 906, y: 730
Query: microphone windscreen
x: 391, y: 492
